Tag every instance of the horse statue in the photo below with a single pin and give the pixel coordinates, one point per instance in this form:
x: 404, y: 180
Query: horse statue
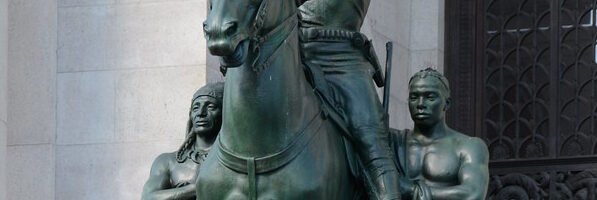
x: 276, y: 141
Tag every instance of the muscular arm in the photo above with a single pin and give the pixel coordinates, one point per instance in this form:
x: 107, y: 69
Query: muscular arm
x: 158, y: 186
x: 473, y: 175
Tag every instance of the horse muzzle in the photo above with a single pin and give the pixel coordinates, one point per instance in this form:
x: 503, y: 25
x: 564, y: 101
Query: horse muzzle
x: 220, y: 47
x: 237, y: 57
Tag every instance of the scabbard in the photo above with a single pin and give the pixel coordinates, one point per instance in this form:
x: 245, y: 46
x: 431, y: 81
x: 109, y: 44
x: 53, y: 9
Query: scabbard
x: 370, y: 54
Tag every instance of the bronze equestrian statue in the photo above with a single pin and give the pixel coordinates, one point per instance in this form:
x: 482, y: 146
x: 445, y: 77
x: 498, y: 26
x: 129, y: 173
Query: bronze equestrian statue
x: 437, y: 161
x: 333, y: 46
x: 173, y: 175
x: 276, y: 140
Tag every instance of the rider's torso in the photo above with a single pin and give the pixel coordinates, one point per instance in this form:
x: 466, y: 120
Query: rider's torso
x: 334, y: 14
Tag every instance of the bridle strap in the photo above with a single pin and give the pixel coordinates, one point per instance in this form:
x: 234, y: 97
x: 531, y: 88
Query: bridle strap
x: 257, y: 40
x: 276, y: 36
x: 257, y: 25
x: 250, y: 33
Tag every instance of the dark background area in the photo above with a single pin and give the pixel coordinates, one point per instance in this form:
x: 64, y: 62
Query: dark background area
x: 523, y: 78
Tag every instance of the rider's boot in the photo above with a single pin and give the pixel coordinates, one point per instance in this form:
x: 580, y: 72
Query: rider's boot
x: 380, y: 169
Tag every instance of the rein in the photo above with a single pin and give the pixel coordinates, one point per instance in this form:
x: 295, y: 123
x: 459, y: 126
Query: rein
x: 275, y: 36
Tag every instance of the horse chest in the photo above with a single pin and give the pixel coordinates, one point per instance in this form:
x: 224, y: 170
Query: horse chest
x: 316, y: 173
x: 293, y: 181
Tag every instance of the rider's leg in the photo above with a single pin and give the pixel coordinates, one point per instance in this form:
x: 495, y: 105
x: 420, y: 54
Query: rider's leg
x: 349, y: 73
x: 369, y: 127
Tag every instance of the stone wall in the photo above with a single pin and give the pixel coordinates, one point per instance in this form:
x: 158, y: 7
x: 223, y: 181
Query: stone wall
x: 31, y: 99
x: 3, y: 91
x: 126, y: 73
x: 97, y: 89
x: 416, y: 28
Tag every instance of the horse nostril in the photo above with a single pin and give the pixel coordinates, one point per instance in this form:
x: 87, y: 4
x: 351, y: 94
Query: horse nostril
x: 230, y: 28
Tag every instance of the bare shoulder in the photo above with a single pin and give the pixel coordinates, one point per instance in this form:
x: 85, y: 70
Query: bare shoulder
x: 162, y: 162
x: 166, y: 157
x: 159, y: 176
x: 473, y: 148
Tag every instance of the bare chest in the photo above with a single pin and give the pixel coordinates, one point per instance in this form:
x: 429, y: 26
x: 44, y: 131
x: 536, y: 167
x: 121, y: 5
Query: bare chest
x: 435, y: 163
x: 183, y: 173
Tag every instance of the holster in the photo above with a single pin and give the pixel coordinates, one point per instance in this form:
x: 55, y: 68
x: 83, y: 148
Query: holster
x: 369, y: 52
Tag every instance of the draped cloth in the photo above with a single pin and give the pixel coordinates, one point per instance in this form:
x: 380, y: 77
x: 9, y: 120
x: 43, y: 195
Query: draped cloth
x: 398, y: 144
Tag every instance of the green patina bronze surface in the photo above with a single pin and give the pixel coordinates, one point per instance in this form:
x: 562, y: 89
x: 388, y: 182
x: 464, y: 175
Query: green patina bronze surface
x: 173, y: 175
x: 271, y: 112
x: 337, y: 14
x: 275, y: 141
x: 333, y: 47
x: 437, y: 161
x: 283, y: 139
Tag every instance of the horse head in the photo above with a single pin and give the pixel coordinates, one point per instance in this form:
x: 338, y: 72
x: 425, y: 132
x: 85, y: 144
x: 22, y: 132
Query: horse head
x: 234, y: 29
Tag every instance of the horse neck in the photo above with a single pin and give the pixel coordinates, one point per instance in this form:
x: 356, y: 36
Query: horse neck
x: 263, y: 111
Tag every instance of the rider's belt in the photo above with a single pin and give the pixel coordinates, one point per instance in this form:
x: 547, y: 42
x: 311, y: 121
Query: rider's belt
x: 317, y: 34
x: 253, y: 166
x: 357, y: 39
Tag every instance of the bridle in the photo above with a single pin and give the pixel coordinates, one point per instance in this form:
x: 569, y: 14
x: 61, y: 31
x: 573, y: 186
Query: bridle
x: 251, y: 39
